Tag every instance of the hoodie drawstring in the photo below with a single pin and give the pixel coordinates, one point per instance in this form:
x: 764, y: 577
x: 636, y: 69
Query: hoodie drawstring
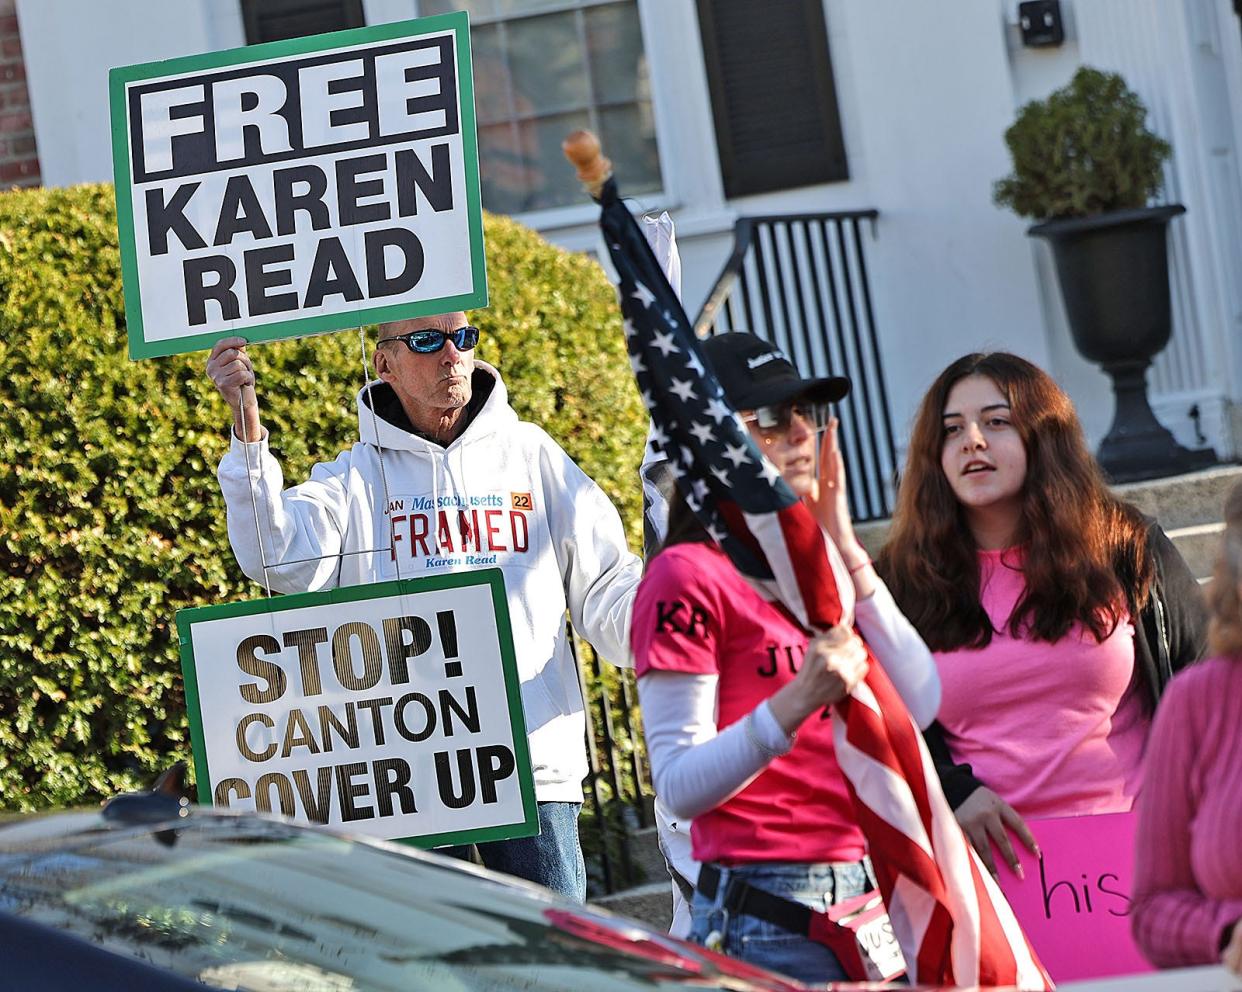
x: 386, y: 513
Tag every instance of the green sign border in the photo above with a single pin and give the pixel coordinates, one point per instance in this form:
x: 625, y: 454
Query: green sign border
x: 119, y: 78
x: 492, y: 577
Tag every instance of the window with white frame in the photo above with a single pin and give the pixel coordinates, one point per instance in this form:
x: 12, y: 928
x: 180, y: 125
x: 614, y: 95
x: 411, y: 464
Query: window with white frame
x: 544, y: 68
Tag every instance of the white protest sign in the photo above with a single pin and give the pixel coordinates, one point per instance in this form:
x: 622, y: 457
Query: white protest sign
x: 299, y: 186
x: 392, y: 710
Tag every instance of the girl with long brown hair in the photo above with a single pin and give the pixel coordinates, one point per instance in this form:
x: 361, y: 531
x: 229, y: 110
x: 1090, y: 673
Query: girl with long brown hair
x: 1056, y: 612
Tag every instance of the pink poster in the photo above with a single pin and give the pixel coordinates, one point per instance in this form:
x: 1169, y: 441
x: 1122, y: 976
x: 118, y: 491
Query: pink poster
x: 1074, y: 902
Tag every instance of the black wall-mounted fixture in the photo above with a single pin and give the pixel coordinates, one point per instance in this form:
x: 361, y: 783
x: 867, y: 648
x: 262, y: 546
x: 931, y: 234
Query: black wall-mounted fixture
x: 1041, y: 23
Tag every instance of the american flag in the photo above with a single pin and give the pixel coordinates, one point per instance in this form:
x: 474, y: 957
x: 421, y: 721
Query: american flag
x: 952, y: 922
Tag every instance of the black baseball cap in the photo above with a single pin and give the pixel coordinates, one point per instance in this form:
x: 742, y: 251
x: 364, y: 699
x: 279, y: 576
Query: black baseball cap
x: 754, y: 373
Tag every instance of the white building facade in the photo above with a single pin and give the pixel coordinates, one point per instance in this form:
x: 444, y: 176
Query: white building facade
x: 920, y: 95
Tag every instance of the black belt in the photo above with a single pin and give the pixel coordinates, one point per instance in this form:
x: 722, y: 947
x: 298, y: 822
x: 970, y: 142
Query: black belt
x: 743, y: 899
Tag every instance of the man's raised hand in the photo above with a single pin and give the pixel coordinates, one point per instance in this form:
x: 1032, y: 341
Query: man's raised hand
x: 230, y: 370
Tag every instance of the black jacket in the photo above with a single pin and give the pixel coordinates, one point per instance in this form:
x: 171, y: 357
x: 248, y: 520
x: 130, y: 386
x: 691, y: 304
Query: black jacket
x: 1171, y: 633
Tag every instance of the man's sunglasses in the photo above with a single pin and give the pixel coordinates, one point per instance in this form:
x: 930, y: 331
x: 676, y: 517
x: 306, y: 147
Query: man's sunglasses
x: 776, y: 419
x: 430, y: 340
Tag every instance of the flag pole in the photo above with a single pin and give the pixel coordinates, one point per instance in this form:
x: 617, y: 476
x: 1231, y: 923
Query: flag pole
x: 585, y: 155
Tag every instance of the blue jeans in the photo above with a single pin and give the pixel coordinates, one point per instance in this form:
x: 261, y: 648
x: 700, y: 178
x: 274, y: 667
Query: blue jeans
x: 552, y: 859
x: 764, y: 944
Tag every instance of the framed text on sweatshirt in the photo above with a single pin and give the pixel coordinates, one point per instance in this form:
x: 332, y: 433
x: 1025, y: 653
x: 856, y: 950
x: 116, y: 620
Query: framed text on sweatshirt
x: 299, y: 186
x: 391, y: 710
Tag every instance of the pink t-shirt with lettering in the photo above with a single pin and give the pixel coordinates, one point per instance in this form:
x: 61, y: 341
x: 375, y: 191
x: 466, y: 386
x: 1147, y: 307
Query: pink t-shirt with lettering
x: 1053, y: 729
x: 695, y: 613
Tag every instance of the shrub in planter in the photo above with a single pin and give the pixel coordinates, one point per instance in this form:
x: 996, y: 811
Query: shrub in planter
x: 1084, y: 150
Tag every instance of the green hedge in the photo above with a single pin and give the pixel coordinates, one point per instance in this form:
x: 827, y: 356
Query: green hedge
x: 110, y: 518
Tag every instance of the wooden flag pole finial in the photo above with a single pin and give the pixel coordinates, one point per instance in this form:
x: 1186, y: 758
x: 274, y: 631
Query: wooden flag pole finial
x: 584, y: 154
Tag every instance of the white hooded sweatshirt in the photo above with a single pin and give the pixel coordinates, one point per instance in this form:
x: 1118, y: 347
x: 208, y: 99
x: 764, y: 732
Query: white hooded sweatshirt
x: 393, y: 506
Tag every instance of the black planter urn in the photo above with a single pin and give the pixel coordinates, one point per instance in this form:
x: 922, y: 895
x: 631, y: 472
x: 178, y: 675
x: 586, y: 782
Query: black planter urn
x: 1114, y: 274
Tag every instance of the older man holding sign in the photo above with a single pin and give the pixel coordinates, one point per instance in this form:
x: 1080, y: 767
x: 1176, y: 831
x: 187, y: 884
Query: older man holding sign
x: 445, y: 477
x: 321, y: 184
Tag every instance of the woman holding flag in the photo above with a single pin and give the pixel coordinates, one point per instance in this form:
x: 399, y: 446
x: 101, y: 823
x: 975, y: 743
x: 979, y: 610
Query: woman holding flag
x: 735, y: 693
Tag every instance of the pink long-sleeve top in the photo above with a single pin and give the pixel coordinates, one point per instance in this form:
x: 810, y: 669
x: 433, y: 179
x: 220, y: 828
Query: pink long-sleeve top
x: 1188, y: 877
x: 1053, y: 729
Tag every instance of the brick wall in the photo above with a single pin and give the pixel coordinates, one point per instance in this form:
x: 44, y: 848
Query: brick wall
x: 19, y: 159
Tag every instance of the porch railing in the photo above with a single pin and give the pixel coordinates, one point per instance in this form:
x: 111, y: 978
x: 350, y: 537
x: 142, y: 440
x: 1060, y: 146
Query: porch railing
x: 618, y: 787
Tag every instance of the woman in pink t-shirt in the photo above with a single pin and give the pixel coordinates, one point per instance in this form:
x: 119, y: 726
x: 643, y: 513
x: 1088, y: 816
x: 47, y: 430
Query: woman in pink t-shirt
x: 734, y: 694
x: 1188, y: 860
x: 1056, y: 613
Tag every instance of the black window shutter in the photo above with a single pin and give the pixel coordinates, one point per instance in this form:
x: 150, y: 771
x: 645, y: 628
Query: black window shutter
x: 773, y: 97
x: 276, y: 20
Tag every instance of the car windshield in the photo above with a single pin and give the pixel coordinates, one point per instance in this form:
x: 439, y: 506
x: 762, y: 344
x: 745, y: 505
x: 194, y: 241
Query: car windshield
x: 242, y: 903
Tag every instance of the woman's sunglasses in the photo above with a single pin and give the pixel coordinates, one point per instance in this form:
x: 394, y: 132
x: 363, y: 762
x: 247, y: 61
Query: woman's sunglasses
x: 430, y: 340
x: 776, y: 419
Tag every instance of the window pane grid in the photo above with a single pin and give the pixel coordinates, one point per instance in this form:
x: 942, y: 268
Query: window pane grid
x: 584, y: 44
x: 544, y: 68
x: 488, y: 13
x: 583, y: 108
